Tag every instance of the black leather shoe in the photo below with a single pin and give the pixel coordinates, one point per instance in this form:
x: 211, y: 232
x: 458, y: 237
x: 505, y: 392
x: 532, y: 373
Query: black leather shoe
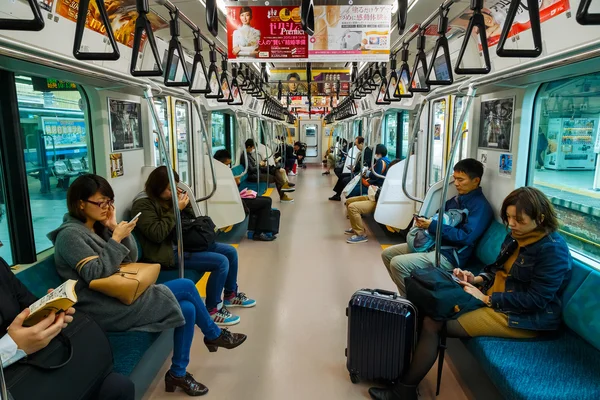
x: 335, y: 198
x: 227, y: 340
x: 187, y: 383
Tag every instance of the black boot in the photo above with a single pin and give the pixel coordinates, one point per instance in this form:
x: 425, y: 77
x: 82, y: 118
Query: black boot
x: 399, y: 392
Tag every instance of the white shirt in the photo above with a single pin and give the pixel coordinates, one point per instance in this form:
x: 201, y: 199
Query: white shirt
x: 9, y: 352
x: 350, y: 159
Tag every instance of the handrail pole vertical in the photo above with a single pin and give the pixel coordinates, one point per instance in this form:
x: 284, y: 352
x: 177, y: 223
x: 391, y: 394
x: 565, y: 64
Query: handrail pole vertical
x: 411, y: 145
x: 209, y: 148
x: 174, y: 194
x: 449, y: 167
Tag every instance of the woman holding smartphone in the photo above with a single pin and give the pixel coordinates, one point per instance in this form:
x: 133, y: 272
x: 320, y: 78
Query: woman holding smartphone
x: 90, y: 232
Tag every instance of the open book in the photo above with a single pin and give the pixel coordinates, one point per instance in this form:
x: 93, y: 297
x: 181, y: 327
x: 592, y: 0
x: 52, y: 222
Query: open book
x: 60, y: 299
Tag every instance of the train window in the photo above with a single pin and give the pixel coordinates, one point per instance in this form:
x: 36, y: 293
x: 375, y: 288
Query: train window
x: 217, y: 121
x: 564, y: 157
x: 390, y: 134
x: 459, y: 104
x: 56, y: 144
x: 5, y: 248
x: 163, y: 113
x: 437, y: 141
x: 182, y: 125
x: 358, y: 128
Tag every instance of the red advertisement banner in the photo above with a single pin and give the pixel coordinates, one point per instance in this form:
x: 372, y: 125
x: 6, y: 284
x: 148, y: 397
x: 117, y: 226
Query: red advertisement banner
x: 265, y: 33
x: 122, y: 15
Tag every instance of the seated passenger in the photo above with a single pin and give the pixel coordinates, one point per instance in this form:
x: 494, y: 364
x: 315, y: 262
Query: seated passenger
x: 381, y: 167
x: 90, y: 231
x: 522, y: 295
x: 20, y: 341
x: 351, y: 164
x: 300, y: 152
x: 267, y: 174
x: 458, y: 241
x: 357, y: 206
x: 260, y: 206
x: 155, y: 231
x: 330, y: 156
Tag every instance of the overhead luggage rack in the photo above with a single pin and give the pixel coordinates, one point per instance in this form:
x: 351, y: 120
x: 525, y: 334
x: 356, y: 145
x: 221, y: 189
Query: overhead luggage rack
x: 35, y: 24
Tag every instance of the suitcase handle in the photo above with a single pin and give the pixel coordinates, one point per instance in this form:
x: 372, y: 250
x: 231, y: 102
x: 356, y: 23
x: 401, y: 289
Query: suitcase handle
x: 386, y: 292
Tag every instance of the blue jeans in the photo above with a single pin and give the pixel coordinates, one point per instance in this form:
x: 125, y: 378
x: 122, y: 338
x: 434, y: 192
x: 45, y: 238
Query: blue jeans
x: 221, y: 260
x: 194, y: 313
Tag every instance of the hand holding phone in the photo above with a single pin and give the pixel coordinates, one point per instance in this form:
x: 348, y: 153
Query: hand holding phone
x: 136, y: 217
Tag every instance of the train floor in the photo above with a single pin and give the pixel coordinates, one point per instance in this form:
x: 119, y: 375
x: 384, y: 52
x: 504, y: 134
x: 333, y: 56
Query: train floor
x: 297, y: 332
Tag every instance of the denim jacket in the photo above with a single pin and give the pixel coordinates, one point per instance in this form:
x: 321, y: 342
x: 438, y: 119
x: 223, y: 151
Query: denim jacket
x: 535, y: 283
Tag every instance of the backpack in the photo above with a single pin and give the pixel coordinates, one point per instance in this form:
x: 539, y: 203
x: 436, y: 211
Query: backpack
x: 198, y: 233
x: 421, y: 241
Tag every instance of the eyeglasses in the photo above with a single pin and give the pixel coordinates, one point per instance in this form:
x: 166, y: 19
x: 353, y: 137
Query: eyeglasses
x: 103, y: 204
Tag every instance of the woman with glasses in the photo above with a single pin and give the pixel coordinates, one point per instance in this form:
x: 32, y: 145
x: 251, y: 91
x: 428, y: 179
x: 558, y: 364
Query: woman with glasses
x: 90, y: 229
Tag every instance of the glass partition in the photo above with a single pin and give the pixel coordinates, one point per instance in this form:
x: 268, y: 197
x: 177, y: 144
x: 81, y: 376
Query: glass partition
x: 437, y: 141
x: 182, y: 126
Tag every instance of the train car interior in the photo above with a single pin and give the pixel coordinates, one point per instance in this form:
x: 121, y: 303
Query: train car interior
x: 313, y: 181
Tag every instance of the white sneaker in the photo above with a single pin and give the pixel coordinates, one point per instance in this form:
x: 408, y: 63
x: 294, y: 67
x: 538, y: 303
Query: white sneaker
x: 291, y: 173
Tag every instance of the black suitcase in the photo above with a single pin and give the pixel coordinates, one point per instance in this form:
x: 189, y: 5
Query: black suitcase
x: 382, y: 329
x: 275, y: 216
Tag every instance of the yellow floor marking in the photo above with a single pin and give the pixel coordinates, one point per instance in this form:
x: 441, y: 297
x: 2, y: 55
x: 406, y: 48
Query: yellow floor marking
x: 268, y: 192
x: 385, y: 246
x: 201, y: 284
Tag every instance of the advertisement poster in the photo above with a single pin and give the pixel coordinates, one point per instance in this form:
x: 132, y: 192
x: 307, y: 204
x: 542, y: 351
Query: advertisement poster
x: 483, y: 157
x: 495, y: 11
x: 265, y: 32
x: 64, y: 132
x: 505, y: 165
x: 125, y: 126
x: 351, y: 33
x: 121, y: 13
x: 496, y: 123
x: 116, y: 165
x: 323, y: 82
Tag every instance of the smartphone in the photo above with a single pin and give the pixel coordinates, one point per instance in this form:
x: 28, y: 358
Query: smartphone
x: 136, y: 217
x: 455, y: 278
x: 419, y: 216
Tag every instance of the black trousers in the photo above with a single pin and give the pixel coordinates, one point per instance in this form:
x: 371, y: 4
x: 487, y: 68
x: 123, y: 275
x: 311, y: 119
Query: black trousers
x: 261, y: 207
x: 116, y: 387
x: 341, y: 183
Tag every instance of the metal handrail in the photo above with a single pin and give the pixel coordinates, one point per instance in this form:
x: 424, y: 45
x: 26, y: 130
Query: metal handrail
x: 203, y: 130
x: 457, y: 137
x: 411, y: 145
x: 174, y: 194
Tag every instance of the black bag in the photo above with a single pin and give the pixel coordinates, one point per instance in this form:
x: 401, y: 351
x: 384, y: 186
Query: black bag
x: 198, y: 233
x: 382, y: 329
x: 436, y: 294
x: 275, y: 217
x: 73, y: 365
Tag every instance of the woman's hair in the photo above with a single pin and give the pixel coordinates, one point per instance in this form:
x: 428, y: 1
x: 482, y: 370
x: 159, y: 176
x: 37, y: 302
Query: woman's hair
x: 535, y: 205
x: 158, y: 181
x: 246, y: 10
x: 82, y: 189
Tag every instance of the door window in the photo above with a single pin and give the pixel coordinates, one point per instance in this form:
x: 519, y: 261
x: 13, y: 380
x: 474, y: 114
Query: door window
x: 182, y: 126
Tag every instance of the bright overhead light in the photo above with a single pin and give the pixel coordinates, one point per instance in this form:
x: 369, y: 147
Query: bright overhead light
x: 412, y: 5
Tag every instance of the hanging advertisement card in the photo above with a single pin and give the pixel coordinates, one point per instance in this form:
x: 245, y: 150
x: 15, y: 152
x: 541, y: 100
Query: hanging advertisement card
x: 265, y: 32
x: 125, y: 125
x: 495, y: 11
x: 116, y: 165
x: 351, y: 33
x: 122, y: 15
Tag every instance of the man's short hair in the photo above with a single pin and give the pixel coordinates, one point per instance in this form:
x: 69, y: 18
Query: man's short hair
x: 360, y: 140
x: 222, y: 155
x: 250, y: 143
x: 471, y: 167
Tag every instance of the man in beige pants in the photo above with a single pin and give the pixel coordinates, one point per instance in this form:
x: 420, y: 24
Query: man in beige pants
x: 357, y: 206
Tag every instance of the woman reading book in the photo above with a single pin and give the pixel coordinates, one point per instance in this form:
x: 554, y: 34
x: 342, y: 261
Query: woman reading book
x: 20, y: 341
x: 90, y: 232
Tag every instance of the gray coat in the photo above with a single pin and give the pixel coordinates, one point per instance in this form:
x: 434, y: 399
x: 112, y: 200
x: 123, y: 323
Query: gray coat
x: 154, y: 311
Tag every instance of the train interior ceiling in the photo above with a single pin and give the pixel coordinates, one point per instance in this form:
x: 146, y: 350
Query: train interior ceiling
x: 532, y: 119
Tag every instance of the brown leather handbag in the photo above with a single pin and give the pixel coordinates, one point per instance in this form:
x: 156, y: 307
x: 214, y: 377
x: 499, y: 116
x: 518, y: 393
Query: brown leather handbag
x: 128, y: 283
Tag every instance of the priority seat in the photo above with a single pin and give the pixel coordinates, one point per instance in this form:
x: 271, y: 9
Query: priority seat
x: 560, y: 365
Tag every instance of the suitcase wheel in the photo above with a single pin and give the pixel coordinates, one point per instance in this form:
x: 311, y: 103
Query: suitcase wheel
x: 354, y: 378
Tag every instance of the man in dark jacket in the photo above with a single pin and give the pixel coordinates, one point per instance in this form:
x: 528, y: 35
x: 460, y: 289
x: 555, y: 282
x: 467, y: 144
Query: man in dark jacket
x: 20, y: 341
x: 458, y: 241
x: 266, y: 174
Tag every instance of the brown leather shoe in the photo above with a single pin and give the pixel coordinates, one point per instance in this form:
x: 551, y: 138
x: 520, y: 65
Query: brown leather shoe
x: 187, y: 383
x: 227, y: 340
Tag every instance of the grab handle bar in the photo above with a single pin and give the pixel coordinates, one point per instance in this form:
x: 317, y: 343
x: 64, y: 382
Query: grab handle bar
x: 143, y: 25
x: 476, y: 21
x: 35, y: 24
x: 80, y: 27
x: 536, y: 31
x: 583, y: 15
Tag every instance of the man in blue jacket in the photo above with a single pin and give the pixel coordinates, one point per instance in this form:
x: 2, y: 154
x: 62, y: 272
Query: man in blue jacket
x: 458, y: 241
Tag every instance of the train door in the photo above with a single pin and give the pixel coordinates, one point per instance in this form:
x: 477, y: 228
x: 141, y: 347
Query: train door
x: 438, y: 140
x: 310, y: 136
x: 182, y: 125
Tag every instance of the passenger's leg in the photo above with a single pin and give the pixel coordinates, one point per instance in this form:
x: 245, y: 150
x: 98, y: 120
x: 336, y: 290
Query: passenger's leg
x: 261, y: 207
x: 355, y: 199
x: 401, y: 267
x: 233, y: 298
x: 182, y: 339
x: 185, y: 290
x: 356, y: 210
x: 392, y: 252
x: 218, y: 266
x: 116, y: 387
